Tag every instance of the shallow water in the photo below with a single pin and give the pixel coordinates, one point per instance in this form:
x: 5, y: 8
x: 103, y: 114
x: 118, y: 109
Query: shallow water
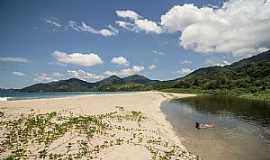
x: 242, y: 127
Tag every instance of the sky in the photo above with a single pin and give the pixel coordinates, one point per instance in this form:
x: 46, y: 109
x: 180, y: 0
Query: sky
x: 44, y: 41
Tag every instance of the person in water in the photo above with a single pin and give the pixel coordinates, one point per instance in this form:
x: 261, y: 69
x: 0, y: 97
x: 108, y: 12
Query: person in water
x: 203, y: 125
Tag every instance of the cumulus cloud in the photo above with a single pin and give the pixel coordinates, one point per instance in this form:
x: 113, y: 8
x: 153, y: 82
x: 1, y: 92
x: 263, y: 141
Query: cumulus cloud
x: 135, y: 22
x: 148, y: 26
x: 120, y: 61
x: 83, y: 75
x: 239, y: 27
x: 83, y: 27
x: 14, y: 59
x: 126, y: 71
x: 18, y: 74
x: 86, y: 60
x: 127, y: 25
x: 151, y: 67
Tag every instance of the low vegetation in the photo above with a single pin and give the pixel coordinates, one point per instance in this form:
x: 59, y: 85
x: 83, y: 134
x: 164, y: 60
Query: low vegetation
x: 56, y: 136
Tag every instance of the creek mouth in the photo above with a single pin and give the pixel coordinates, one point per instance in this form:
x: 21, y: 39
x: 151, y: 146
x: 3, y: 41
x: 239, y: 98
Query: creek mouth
x: 242, y: 126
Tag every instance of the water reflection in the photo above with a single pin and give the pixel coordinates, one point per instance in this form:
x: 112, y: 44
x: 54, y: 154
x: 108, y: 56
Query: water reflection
x: 242, y: 126
x: 257, y: 112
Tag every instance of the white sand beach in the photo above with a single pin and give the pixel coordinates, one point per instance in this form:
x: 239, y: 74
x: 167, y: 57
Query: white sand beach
x: 137, y: 138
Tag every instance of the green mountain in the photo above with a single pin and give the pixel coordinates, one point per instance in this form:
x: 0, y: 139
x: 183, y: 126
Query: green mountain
x: 250, y: 74
x: 112, y: 83
x: 137, y: 79
x: 69, y: 85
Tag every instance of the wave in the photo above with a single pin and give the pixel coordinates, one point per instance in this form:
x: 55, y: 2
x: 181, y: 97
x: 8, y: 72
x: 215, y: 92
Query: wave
x: 4, y: 98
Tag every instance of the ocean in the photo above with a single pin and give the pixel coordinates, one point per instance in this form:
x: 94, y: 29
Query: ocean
x: 14, y: 96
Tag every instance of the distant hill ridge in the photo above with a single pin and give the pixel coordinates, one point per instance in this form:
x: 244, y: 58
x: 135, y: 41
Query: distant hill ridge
x: 112, y: 83
x: 251, y: 73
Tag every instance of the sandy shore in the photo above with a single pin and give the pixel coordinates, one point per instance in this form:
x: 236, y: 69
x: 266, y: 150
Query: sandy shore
x: 152, y: 125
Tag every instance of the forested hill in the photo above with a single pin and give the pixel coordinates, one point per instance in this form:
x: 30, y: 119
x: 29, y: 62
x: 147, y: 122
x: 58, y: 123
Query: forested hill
x: 112, y: 83
x: 251, y: 73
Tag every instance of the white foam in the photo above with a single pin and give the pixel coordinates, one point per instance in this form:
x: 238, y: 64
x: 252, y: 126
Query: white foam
x: 4, y: 98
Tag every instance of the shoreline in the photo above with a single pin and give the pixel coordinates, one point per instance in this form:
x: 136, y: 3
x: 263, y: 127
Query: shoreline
x: 148, y: 103
x: 69, y: 95
x: 257, y: 96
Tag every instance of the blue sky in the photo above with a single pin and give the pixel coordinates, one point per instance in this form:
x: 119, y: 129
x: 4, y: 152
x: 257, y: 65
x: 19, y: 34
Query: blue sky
x: 49, y: 40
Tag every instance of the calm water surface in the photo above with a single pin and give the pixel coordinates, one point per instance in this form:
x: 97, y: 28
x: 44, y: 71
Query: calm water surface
x: 242, y: 127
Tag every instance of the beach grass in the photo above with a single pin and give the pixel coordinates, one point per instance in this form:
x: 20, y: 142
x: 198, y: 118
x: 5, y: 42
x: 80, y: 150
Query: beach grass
x: 56, y: 136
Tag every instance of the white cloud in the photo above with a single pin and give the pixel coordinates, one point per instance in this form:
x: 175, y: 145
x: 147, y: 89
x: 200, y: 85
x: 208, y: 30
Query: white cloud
x: 120, y: 60
x: 113, y: 29
x: 151, y: 67
x: 58, y: 75
x: 127, y: 25
x: 53, y: 22
x: 184, y: 71
x: 239, y: 27
x: 111, y: 73
x: 126, y: 71
x: 148, y: 26
x: 216, y: 62
x: 83, y: 75
x: 138, y: 68
x: 81, y: 59
x: 128, y: 14
x: 106, y: 33
x: 14, y: 59
x: 226, y: 62
x: 73, y: 25
x: 83, y: 27
x: 18, y: 74
x: 135, y: 22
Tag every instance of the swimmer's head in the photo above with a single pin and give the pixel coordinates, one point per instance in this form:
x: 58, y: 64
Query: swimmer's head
x: 197, y: 125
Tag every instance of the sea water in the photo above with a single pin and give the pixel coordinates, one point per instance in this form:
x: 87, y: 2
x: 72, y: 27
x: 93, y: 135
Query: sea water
x: 12, y: 96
